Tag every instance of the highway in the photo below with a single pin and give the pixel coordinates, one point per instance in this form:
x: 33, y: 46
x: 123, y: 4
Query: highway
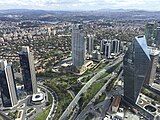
x: 94, y: 98
x: 54, y: 101
x: 86, y: 86
x: 90, y: 106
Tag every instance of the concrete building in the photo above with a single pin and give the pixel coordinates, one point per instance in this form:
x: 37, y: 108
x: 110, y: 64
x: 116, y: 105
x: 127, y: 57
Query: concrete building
x: 154, y: 55
x: 115, y: 104
x: 103, y: 43
x: 136, y: 64
x: 38, y: 98
x: 157, y: 38
x: 149, y: 32
x: 115, y: 46
x: 7, y: 85
x: 28, y: 70
x: 90, y: 43
x: 78, y: 46
x: 96, y: 55
x: 107, y: 50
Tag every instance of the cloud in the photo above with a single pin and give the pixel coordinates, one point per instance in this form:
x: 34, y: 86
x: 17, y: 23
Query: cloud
x: 81, y: 4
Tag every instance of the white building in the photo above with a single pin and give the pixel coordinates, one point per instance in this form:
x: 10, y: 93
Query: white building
x: 90, y: 43
x: 103, y: 42
x: 107, y: 50
x: 115, y: 46
x: 78, y: 46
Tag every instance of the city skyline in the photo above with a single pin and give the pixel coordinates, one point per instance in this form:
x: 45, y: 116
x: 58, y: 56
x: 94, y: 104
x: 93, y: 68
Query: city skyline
x: 79, y: 59
x: 81, y: 5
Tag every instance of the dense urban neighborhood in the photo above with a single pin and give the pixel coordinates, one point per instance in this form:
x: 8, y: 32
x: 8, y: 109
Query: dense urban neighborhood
x: 83, y: 65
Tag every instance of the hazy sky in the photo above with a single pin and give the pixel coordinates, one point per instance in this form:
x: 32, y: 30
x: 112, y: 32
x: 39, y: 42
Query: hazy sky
x: 80, y: 4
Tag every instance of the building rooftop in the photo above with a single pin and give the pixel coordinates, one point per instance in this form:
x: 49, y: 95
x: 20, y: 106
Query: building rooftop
x: 143, y: 43
x: 116, y: 101
x: 25, y: 48
x: 153, y: 51
x: 37, y: 97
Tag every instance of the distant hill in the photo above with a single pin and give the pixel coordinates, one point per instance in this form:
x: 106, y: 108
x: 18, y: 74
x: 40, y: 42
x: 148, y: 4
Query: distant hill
x: 43, y: 15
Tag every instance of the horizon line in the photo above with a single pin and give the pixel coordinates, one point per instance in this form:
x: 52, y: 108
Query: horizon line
x: 79, y: 10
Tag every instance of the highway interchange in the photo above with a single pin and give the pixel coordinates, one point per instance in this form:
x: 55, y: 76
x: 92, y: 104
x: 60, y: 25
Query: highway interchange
x: 87, y: 85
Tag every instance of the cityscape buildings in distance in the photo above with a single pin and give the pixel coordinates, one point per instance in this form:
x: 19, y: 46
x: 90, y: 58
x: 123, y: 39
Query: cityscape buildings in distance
x: 95, y: 69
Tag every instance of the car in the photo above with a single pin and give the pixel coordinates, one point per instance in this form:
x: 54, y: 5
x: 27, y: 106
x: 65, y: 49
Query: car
x: 141, y: 117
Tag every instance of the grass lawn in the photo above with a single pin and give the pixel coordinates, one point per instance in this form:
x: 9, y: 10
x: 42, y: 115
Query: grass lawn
x: 100, y: 99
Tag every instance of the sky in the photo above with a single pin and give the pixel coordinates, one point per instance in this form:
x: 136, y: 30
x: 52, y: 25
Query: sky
x: 150, y: 5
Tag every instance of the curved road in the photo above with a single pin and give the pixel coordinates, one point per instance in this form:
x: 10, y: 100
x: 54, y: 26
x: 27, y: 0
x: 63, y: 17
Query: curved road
x: 54, y: 96
x: 86, y: 86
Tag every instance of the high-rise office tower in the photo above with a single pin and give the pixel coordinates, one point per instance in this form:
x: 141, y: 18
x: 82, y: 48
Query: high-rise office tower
x: 7, y: 85
x: 115, y: 46
x: 136, y: 64
x: 107, y: 50
x: 154, y: 55
x: 28, y: 70
x: 150, y: 32
x: 78, y: 46
x: 157, y: 37
x: 90, y: 43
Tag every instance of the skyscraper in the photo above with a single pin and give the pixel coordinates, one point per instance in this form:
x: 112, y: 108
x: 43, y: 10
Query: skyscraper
x: 157, y: 38
x: 150, y: 32
x: 115, y: 46
x: 78, y: 46
x: 154, y: 55
x: 28, y: 70
x: 107, y: 50
x: 103, y: 43
x: 7, y: 85
x: 90, y: 43
x: 136, y: 63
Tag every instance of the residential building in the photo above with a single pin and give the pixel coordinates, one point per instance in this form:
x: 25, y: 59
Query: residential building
x: 157, y: 38
x: 96, y: 55
x: 103, y: 43
x: 107, y: 50
x: 149, y: 32
x: 154, y: 55
x: 90, y: 43
x: 78, y: 46
x: 115, y: 46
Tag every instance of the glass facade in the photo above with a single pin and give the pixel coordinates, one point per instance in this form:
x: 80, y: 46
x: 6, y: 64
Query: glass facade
x: 6, y: 100
x: 136, y: 62
x: 26, y: 74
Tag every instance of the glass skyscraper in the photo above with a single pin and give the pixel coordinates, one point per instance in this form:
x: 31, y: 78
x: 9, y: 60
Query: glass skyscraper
x: 28, y: 70
x: 7, y: 85
x: 136, y: 64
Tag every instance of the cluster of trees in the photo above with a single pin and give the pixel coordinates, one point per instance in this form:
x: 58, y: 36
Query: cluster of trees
x: 91, y: 92
x: 60, y: 84
x: 101, y: 98
x: 151, y: 94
